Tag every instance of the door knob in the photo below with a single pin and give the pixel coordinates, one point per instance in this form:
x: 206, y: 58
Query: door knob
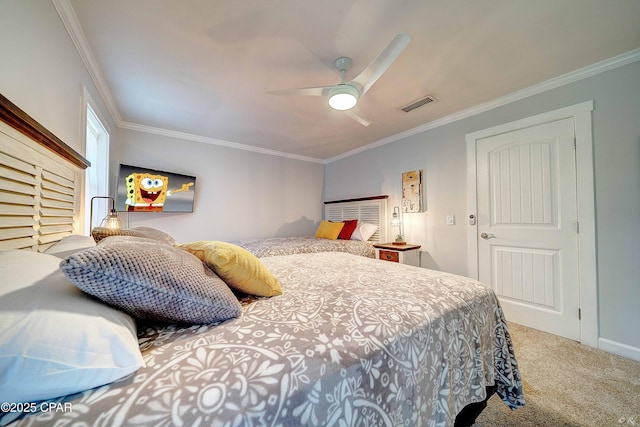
x: 486, y: 236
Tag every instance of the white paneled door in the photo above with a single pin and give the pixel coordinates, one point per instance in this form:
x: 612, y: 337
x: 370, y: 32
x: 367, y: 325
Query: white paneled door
x: 527, y: 225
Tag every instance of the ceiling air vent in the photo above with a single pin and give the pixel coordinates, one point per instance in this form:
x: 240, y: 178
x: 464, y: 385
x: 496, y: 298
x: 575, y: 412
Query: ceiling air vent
x: 419, y: 103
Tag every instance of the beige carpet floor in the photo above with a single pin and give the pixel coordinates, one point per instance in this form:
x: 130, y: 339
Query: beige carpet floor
x: 568, y: 384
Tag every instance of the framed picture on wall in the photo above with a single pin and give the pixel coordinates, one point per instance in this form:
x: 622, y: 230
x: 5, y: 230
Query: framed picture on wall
x: 412, y: 191
x: 149, y: 190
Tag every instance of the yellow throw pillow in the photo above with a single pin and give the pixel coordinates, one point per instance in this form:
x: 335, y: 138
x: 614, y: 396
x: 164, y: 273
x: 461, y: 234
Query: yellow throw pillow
x: 329, y: 230
x: 238, y: 267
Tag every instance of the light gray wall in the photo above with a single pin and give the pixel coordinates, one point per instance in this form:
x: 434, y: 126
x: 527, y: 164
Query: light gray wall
x: 441, y: 153
x: 41, y: 71
x: 239, y: 194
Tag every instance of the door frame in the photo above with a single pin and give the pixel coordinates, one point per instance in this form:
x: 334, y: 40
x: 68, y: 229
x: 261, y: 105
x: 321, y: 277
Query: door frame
x: 587, y: 272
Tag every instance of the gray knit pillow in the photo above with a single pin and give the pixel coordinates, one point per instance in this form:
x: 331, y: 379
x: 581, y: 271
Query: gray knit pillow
x: 151, y: 280
x: 100, y: 233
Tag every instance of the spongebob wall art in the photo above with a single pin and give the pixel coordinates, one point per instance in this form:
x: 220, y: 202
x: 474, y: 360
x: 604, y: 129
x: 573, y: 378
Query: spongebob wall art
x: 149, y: 190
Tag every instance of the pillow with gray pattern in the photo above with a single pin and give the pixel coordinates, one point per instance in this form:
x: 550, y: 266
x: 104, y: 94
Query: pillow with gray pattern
x: 152, y: 280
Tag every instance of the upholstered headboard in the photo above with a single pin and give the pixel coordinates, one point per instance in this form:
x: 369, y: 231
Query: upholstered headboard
x: 40, y: 181
x: 365, y: 209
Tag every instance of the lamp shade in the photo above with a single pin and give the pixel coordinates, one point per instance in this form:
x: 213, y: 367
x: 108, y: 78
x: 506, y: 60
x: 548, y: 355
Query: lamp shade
x: 396, y: 221
x: 111, y: 220
x: 343, y: 97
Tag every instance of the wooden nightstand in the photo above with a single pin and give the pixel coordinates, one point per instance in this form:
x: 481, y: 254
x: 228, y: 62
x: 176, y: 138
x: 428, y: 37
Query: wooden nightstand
x: 403, y: 254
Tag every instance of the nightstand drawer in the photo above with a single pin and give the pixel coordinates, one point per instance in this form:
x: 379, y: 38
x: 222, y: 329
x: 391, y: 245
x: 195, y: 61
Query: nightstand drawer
x: 401, y: 253
x: 389, y: 256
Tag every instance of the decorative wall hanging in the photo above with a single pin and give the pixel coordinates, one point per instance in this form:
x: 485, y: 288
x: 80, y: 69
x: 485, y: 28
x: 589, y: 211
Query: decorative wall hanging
x: 149, y: 190
x: 412, y: 191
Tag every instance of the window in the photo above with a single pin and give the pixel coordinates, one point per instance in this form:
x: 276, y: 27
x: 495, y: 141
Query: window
x: 97, y: 175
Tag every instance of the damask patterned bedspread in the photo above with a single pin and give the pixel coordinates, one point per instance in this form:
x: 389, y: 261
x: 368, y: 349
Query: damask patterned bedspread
x: 304, y: 244
x: 351, y: 341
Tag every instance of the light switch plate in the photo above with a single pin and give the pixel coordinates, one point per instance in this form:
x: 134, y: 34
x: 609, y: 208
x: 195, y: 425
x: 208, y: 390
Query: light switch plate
x: 451, y: 220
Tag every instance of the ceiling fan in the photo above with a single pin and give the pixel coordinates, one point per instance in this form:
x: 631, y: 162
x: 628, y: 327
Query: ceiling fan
x: 345, y: 95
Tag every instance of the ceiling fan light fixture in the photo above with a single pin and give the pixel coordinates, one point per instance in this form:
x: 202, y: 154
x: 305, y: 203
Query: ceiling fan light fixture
x: 343, y: 98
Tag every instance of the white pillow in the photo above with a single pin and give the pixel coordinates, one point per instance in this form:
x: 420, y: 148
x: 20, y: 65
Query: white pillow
x: 364, y: 231
x: 54, y: 339
x: 70, y: 244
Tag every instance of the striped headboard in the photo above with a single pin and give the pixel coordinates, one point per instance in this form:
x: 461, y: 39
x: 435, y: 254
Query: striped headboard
x: 40, y: 181
x: 366, y: 209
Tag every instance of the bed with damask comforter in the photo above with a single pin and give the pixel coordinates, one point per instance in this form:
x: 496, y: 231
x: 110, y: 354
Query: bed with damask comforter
x: 350, y: 341
x: 304, y: 244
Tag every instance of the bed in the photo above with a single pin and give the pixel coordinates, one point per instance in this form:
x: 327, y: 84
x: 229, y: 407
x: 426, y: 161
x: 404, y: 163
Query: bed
x: 365, y: 214
x: 275, y: 246
x: 345, y: 340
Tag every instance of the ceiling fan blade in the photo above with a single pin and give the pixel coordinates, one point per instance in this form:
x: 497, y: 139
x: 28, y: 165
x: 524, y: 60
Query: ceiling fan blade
x: 358, y: 116
x: 369, y: 75
x: 310, y: 91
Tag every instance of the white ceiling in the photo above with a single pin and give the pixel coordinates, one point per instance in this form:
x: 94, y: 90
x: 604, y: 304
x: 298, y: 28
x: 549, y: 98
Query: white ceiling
x: 203, y: 67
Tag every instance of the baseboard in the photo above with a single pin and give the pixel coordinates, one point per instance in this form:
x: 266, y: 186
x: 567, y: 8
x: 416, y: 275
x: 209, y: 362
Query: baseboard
x: 619, y: 348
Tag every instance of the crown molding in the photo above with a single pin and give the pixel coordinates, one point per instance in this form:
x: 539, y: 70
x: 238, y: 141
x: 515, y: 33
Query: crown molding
x: 74, y: 29
x: 215, y: 141
x: 556, y: 82
x: 71, y: 23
